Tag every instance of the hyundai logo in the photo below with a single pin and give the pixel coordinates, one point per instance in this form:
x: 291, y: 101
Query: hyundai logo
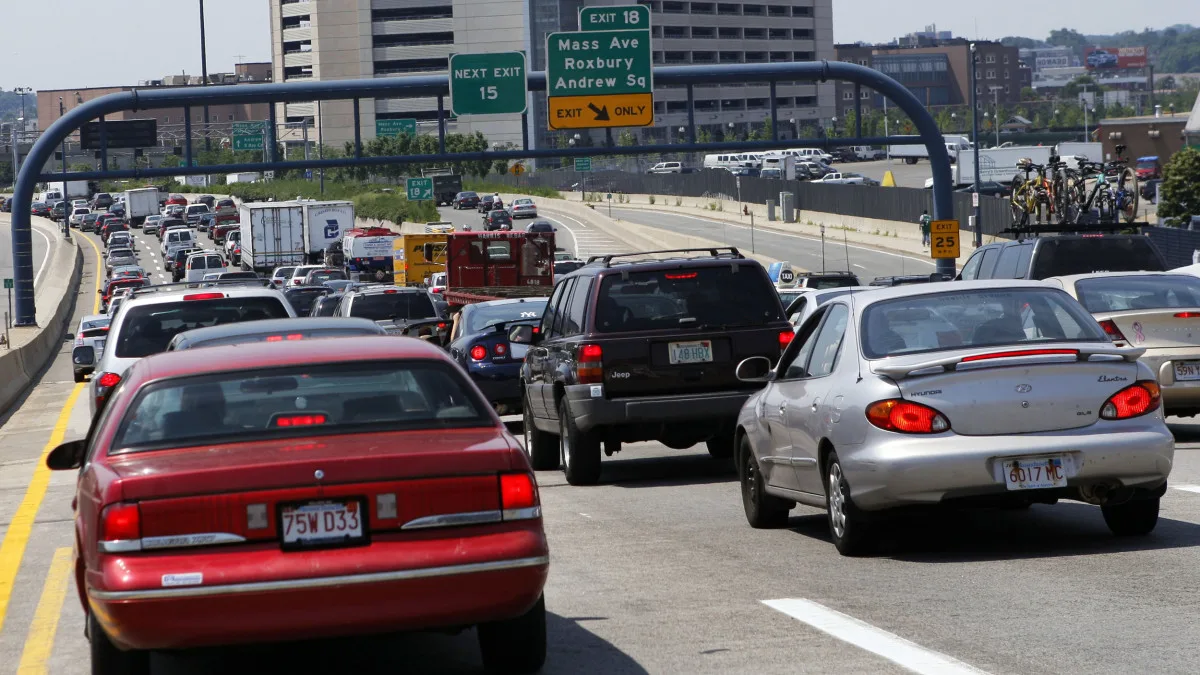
x: 1024, y: 388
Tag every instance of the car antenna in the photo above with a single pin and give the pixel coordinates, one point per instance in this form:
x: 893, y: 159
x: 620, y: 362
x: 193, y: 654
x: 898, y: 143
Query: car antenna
x: 857, y: 335
x: 846, y: 243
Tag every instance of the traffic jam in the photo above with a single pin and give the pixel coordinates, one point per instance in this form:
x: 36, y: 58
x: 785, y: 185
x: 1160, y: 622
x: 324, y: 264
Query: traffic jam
x: 358, y: 434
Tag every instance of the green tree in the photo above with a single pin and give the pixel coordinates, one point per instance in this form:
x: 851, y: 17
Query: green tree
x: 627, y: 139
x: 1065, y: 37
x: 1075, y: 87
x: 1019, y: 42
x: 1180, y: 197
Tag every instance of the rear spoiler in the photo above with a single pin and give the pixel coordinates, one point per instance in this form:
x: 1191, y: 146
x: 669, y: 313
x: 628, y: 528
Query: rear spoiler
x: 1007, y: 357
x: 414, y: 327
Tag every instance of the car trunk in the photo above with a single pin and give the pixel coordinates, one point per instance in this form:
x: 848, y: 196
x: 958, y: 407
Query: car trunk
x: 1031, y: 397
x: 640, y: 364
x: 1159, y: 328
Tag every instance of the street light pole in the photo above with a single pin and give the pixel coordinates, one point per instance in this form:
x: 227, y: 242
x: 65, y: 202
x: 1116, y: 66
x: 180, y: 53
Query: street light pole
x: 204, y: 75
x: 975, y: 150
x: 996, y: 103
x: 887, y: 148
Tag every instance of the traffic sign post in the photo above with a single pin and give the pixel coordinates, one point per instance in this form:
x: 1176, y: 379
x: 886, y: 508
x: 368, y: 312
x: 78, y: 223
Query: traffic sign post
x: 394, y: 128
x: 944, y: 239
x: 419, y: 189
x: 598, y: 79
x: 627, y: 17
x: 249, y: 135
x: 488, y: 84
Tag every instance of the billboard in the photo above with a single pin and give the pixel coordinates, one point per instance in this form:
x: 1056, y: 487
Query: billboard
x: 1114, y: 57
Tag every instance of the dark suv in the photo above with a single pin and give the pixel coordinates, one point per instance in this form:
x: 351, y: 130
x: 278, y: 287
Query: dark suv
x: 1063, y: 255
x: 635, y: 349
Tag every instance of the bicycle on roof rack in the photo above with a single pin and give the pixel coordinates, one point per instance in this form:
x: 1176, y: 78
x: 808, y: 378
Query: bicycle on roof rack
x: 1114, y: 193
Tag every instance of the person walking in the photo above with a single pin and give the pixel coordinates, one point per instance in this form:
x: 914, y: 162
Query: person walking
x: 925, y: 225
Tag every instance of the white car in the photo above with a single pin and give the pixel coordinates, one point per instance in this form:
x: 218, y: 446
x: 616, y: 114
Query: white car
x: 176, y: 238
x: 299, y: 273
x: 437, y: 282
x: 281, y: 275
x: 77, y: 215
x: 233, y: 239
x: 523, y: 208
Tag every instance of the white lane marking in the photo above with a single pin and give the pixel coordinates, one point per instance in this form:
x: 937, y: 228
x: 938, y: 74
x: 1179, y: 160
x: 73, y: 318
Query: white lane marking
x: 869, y: 638
x: 37, y: 278
x: 786, y: 234
x: 1187, y: 488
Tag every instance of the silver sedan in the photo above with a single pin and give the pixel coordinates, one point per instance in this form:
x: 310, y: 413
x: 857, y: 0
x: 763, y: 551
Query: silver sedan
x: 980, y: 392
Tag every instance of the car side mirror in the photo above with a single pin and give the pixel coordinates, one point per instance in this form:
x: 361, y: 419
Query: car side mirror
x: 756, y: 369
x: 522, y: 335
x: 67, y: 456
x: 84, y: 355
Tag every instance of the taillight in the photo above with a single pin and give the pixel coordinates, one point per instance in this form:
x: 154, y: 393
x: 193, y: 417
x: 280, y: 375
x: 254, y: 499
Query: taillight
x: 204, y: 296
x: 785, y: 338
x: 519, y: 496
x: 314, y: 419
x: 120, y: 522
x: 1187, y: 315
x: 1111, y: 330
x: 591, y: 365
x: 906, y: 417
x: 500, y: 349
x: 478, y: 352
x: 108, y: 380
x: 1137, y: 399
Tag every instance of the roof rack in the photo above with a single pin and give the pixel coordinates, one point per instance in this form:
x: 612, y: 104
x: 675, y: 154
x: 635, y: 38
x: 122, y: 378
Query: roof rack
x: 715, y: 252
x: 187, y: 285
x: 1068, y: 228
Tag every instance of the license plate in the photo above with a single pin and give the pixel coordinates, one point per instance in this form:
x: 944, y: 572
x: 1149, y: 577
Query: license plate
x: 1187, y: 370
x: 1034, y: 474
x: 697, y: 351
x: 323, y: 523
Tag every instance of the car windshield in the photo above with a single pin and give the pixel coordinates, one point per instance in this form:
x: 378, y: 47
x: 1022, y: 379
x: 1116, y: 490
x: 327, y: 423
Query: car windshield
x: 482, y: 316
x: 148, y: 329
x: 302, y: 298
x: 820, y: 283
x: 1131, y: 293
x: 1063, y: 257
x: 304, y: 400
x: 703, y: 297
x: 980, y: 318
x: 395, y: 305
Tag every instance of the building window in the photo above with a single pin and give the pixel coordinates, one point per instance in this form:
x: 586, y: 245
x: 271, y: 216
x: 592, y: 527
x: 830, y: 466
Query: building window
x: 979, y: 91
x: 755, y: 33
x: 864, y: 95
x: 730, y: 33
x: 991, y: 74
x: 1006, y: 59
x: 978, y: 74
x: 990, y: 58
x: 231, y: 118
x: 674, y: 32
x: 847, y: 96
x: 862, y: 62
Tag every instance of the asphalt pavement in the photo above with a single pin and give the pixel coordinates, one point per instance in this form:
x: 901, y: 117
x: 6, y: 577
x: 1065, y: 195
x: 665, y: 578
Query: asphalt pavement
x: 44, y: 233
x: 655, y: 570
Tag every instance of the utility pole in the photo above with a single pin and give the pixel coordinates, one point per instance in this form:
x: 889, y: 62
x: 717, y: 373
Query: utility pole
x: 887, y: 148
x: 975, y: 149
x: 204, y: 76
x: 1084, y: 104
x: 996, y: 105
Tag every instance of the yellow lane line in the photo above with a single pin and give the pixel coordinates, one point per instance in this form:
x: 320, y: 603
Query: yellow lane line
x: 16, y: 538
x: 40, y: 641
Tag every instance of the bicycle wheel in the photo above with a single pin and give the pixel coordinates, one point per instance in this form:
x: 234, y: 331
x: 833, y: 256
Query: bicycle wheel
x: 1016, y: 201
x: 1127, y: 190
x: 1069, y: 202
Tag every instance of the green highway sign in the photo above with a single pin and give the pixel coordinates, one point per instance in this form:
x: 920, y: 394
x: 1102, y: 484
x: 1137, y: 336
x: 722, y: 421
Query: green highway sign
x: 195, y: 162
x: 419, y: 189
x: 488, y: 84
x: 249, y: 135
x: 628, y: 17
x: 583, y: 163
x: 601, y: 78
x: 395, y: 127
x: 8, y: 283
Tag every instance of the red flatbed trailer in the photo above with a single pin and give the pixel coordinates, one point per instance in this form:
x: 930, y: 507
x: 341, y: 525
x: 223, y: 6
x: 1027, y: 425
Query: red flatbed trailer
x: 484, y: 266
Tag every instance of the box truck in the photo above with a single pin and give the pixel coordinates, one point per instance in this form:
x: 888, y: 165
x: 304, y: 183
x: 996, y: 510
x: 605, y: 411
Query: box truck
x: 72, y: 189
x: 955, y: 145
x: 325, y: 223
x: 272, y: 235
x: 245, y: 177
x: 996, y: 164
x: 140, y: 203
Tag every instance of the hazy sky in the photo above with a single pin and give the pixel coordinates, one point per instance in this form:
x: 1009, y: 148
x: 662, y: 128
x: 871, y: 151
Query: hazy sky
x: 116, y: 42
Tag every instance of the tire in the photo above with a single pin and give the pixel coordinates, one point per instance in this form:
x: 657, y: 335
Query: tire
x: 108, y: 660
x: 851, y: 536
x: 578, y: 451
x: 541, y: 447
x: 721, y: 445
x: 517, y: 645
x: 1134, y: 518
x: 763, y: 511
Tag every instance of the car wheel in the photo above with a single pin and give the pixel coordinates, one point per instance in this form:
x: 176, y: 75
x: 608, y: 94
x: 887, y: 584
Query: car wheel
x: 541, y: 447
x: 516, y: 645
x: 851, y: 536
x: 108, y: 660
x: 1133, y: 518
x: 578, y: 451
x: 721, y: 445
x: 79, y: 377
x: 763, y: 510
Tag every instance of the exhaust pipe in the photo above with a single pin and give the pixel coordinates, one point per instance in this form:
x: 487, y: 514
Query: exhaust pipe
x: 1097, y: 493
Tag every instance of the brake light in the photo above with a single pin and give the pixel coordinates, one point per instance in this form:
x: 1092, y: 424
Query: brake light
x: 684, y: 275
x: 1135, y: 400
x: 441, y: 326
x: 120, y: 522
x: 1021, y: 352
x: 519, y: 496
x: 1187, y: 315
x: 478, y: 352
x: 300, y: 420
x: 204, y: 296
x: 1111, y: 330
x: 109, y: 380
x: 591, y: 365
x: 785, y: 339
x: 500, y: 349
x: 906, y: 417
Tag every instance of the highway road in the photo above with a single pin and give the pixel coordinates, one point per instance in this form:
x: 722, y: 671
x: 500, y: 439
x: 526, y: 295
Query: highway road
x: 44, y: 233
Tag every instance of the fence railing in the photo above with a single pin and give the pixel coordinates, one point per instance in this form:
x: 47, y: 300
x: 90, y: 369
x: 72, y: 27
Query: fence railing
x: 859, y: 201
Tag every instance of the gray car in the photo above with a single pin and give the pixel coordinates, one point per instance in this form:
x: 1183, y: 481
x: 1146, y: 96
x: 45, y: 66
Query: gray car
x: 992, y: 393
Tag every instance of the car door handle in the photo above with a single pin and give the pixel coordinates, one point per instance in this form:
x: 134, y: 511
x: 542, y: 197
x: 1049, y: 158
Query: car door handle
x: 782, y: 407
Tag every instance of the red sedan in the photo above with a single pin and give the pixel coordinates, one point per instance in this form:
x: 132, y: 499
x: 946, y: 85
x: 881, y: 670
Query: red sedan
x: 287, y: 491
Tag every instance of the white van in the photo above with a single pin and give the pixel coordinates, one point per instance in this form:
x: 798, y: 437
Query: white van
x: 176, y: 239
x: 809, y: 153
x: 736, y: 160
x: 202, y: 263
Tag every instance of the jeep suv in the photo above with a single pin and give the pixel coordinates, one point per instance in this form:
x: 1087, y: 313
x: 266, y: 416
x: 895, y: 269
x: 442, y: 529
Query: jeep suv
x: 1063, y: 255
x: 632, y: 348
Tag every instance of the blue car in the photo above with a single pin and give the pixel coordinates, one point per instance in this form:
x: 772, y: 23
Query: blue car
x: 479, y: 343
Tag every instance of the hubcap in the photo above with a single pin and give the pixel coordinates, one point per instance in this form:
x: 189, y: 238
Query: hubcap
x: 564, y: 442
x: 837, y: 501
x: 751, y: 479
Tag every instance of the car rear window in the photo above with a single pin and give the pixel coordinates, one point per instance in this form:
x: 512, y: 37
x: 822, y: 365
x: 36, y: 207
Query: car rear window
x: 288, y: 336
x: 148, y: 329
x: 384, y: 306
x: 983, y: 318
x: 302, y: 299
x: 1063, y: 257
x: 299, y: 401
x: 820, y: 283
x: 671, y: 299
x: 482, y: 316
x: 326, y: 275
x: 1125, y: 293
